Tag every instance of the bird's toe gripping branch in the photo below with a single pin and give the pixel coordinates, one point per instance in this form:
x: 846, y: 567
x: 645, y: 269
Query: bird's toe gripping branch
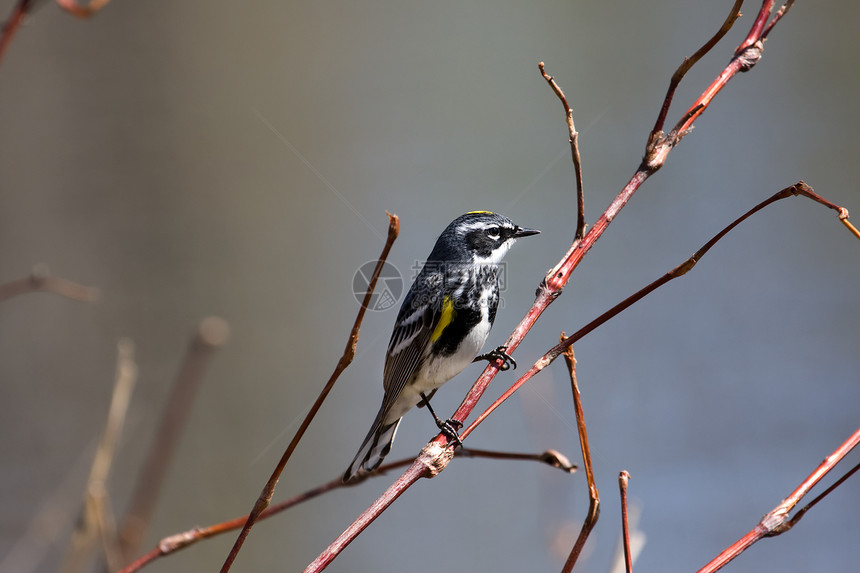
x: 499, y: 353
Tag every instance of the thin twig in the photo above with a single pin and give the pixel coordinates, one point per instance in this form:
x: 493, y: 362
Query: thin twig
x: 574, y: 152
x: 13, y: 22
x: 40, y: 280
x: 348, y: 354
x: 593, y: 495
x: 776, y: 520
x: 623, y: 478
x: 97, y: 519
x: 549, y: 457
x: 208, y: 337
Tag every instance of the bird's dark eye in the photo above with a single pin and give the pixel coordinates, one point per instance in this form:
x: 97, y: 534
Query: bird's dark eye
x: 494, y: 233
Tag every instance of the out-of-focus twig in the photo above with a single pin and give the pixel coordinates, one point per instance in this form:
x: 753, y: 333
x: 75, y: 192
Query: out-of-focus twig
x: 211, y: 334
x: 40, y: 279
x: 85, y: 11
x: 13, y: 22
x: 549, y: 457
x: 50, y: 519
x: 777, y: 520
x: 593, y: 495
x: 265, y: 497
x: 97, y: 522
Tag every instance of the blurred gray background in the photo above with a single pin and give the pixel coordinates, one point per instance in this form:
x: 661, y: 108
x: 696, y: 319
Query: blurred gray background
x: 236, y: 159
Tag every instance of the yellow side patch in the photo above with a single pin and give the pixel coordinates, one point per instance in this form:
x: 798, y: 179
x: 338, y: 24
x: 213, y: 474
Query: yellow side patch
x: 477, y: 212
x: 448, y: 314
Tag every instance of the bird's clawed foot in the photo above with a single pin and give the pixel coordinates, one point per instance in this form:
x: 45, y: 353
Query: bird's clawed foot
x: 499, y: 353
x: 448, y: 427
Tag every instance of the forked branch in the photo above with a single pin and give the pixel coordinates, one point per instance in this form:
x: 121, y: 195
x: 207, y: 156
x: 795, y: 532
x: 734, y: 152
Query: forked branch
x: 777, y: 520
x: 688, y: 63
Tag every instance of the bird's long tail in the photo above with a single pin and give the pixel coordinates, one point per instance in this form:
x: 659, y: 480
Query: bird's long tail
x: 375, y: 446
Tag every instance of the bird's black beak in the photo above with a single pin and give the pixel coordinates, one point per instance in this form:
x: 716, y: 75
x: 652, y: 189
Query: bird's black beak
x: 520, y: 232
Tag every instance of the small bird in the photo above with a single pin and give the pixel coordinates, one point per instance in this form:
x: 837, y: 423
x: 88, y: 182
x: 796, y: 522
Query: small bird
x: 442, y: 326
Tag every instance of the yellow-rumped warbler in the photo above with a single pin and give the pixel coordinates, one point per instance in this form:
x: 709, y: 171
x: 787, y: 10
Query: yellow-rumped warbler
x: 442, y: 325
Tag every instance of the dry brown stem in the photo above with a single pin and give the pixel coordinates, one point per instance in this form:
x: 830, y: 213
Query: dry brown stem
x: 777, y: 520
x: 573, y: 137
x: 96, y: 522
x: 40, y: 280
x: 593, y: 495
x: 211, y: 334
